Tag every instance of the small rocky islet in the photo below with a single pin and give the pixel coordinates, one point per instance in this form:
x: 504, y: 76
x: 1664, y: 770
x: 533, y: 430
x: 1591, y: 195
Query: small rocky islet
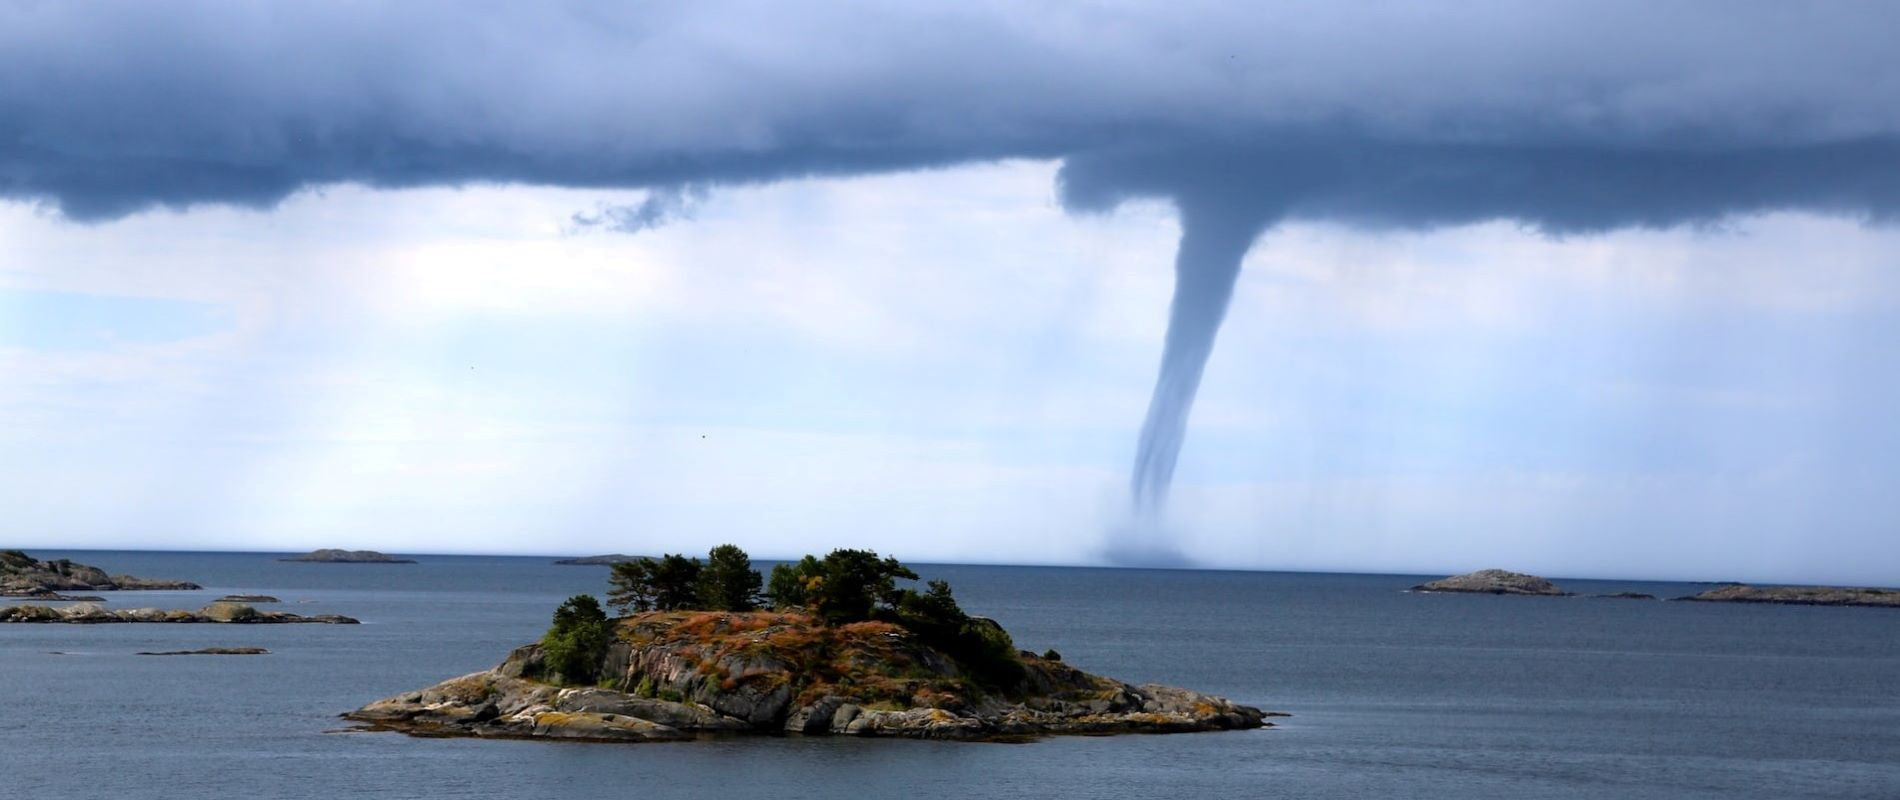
x: 22, y: 575
x: 677, y: 675
x: 840, y: 651
x: 216, y: 613
x: 1493, y: 581
x: 335, y: 556
x: 1798, y: 595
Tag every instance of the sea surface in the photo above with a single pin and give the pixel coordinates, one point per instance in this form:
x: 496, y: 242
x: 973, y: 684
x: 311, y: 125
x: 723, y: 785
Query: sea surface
x: 1394, y: 695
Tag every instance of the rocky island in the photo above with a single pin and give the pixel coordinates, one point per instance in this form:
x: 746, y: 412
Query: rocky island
x: 1626, y: 596
x: 841, y: 651
x: 1493, y: 581
x: 599, y: 561
x: 1798, y: 595
x: 22, y: 575
x: 333, y: 556
x: 218, y: 613
x: 211, y: 651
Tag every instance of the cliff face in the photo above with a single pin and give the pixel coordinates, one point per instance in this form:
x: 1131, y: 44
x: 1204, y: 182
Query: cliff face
x: 22, y: 575
x: 676, y: 674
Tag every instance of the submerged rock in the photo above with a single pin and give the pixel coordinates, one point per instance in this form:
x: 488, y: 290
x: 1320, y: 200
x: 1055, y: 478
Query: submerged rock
x: 224, y: 613
x: 332, y: 556
x: 212, y: 651
x: 674, y: 675
x: 1799, y: 595
x: 1493, y: 581
x: 22, y: 575
x: 1626, y: 596
x: 248, y: 598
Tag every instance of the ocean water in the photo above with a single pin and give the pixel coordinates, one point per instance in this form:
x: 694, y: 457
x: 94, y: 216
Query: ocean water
x: 1394, y: 694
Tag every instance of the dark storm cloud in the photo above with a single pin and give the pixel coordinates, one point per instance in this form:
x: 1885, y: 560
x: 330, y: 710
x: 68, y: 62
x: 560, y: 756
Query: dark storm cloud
x: 662, y: 205
x: 1572, y: 116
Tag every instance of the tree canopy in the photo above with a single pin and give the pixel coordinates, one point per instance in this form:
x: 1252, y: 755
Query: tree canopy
x: 668, y: 584
x: 728, y: 582
x: 577, y: 640
x: 845, y: 586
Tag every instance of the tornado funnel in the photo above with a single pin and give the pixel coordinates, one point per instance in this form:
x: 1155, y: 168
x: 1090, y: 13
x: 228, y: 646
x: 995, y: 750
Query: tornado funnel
x: 1214, y: 240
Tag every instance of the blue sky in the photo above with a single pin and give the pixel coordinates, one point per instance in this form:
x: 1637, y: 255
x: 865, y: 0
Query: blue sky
x: 1579, y: 288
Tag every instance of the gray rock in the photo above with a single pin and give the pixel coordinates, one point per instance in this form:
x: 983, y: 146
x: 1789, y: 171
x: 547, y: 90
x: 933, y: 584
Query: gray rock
x: 217, y: 613
x: 816, y: 717
x: 1799, y: 595
x: 1493, y: 581
x: 22, y: 575
x: 229, y: 612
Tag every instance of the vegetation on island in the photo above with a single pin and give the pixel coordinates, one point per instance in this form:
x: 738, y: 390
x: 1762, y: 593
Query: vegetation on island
x: 844, y: 588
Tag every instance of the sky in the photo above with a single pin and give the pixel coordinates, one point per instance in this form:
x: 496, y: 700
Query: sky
x: 1580, y: 289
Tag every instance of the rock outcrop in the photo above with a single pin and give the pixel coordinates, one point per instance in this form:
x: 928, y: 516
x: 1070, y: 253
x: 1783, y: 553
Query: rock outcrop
x: 331, y: 556
x: 212, y: 651
x: 1626, y: 596
x: 22, y: 575
x: 606, y: 560
x: 1798, y: 595
x: 248, y: 598
x: 224, y: 613
x: 676, y: 675
x: 1493, y: 581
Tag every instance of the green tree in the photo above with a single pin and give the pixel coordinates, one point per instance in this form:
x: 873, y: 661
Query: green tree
x: 630, y: 586
x: 980, y: 645
x: 728, y: 582
x: 791, y: 583
x: 674, y: 580
x: 577, y: 641
x: 855, y: 584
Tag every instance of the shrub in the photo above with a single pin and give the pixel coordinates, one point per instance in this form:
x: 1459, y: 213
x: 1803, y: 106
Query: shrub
x: 577, y: 641
x: 979, y: 644
x: 1051, y: 655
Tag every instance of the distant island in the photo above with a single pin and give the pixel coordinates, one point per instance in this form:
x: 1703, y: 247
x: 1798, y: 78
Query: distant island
x: 841, y: 650
x: 606, y: 560
x: 22, y: 575
x: 216, y: 613
x: 210, y: 651
x: 332, y: 556
x: 1798, y: 595
x: 1493, y: 581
